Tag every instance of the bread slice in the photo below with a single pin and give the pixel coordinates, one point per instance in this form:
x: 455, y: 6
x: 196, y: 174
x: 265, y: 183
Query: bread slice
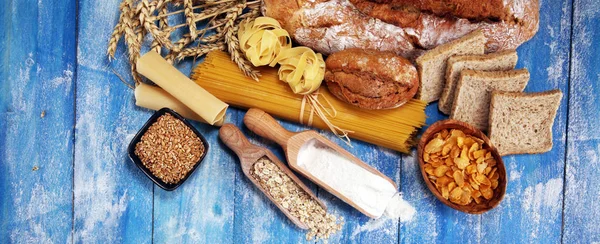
x: 432, y: 64
x: 474, y: 91
x: 504, y: 60
x: 522, y: 123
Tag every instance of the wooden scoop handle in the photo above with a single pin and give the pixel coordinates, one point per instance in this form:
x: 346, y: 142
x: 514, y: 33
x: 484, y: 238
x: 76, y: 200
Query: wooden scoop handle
x: 235, y: 139
x: 266, y: 126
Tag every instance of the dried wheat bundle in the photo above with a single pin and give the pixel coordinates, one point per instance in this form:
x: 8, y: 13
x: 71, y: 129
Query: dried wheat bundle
x: 139, y: 18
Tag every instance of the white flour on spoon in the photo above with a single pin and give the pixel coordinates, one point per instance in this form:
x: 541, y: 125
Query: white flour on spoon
x: 369, y: 191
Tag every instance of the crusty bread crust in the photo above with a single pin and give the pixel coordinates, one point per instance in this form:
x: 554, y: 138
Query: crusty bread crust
x: 330, y: 26
x: 371, y: 79
x: 468, y: 9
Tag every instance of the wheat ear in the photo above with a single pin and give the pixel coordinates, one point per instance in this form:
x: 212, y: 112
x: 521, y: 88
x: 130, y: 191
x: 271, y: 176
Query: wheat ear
x: 233, y: 44
x: 197, y: 52
x: 189, y: 17
x: 117, y: 32
x: 151, y: 27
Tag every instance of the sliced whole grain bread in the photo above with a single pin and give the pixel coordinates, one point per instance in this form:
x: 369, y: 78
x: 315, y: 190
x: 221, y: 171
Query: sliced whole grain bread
x: 474, y: 91
x: 504, y: 60
x: 522, y: 123
x: 432, y: 64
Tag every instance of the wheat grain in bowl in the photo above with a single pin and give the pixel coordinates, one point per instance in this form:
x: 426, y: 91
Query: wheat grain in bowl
x: 169, y: 149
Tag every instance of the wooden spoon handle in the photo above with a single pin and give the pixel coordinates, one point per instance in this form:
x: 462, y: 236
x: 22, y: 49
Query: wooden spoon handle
x: 234, y: 139
x: 266, y: 126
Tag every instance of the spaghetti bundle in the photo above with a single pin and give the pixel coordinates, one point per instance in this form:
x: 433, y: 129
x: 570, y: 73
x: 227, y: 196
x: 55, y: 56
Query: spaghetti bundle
x: 393, y: 128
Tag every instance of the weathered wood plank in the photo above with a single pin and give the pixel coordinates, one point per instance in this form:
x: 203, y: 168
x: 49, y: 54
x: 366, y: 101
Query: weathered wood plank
x: 533, y: 202
x: 582, y: 197
x: 37, y: 64
x: 202, y: 209
x: 112, y: 197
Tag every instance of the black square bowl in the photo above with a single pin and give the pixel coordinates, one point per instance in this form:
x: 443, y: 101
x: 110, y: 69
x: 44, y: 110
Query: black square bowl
x: 138, y: 137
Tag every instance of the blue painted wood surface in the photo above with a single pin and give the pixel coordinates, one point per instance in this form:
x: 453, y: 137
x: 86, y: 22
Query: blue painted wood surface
x: 113, y: 200
x: 582, y: 190
x: 85, y: 189
x: 37, y: 72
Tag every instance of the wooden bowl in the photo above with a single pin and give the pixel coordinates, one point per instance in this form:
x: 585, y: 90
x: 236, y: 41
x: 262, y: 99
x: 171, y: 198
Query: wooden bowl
x: 473, y: 207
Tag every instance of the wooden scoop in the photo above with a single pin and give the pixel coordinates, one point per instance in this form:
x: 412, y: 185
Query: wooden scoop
x: 264, y: 125
x: 249, y: 154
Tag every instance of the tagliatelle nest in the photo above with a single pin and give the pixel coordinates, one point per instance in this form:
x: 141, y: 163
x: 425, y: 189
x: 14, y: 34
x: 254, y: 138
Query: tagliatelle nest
x: 139, y: 18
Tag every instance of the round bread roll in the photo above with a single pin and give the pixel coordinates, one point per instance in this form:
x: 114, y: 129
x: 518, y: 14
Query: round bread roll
x: 371, y: 79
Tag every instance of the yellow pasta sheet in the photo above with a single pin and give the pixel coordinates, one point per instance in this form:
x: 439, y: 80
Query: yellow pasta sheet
x: 207, y: 106
x: 155, y: 98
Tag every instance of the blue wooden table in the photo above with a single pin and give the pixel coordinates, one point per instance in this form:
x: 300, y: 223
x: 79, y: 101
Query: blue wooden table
x: 66, y: 120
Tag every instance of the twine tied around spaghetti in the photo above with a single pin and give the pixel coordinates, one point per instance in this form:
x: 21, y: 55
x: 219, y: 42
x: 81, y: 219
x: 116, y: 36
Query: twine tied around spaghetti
x: 316, y: 107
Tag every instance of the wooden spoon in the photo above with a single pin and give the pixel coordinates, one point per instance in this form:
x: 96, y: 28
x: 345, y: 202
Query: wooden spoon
x: 266, y: 126
x: 473, y: 207
x: 249, y: 154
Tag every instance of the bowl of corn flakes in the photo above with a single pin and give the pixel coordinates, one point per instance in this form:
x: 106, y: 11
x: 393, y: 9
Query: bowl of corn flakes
x: 461, y: 167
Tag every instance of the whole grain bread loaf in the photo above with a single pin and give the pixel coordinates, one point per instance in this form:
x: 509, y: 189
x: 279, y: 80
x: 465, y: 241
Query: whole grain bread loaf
x: 406, y: 27
x: 522, y: 122
x: 371, y: 79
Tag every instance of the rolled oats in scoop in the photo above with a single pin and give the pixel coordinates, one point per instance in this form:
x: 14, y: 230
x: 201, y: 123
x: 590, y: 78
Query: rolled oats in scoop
x: 292, y: 197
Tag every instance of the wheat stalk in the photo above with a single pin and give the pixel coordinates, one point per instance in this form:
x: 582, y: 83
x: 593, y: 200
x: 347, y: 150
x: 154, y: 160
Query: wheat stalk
x: 130, y: 36
x: 163, y: 23
x: 199, y: 51
x: 151, y: 26
x: 233, y: 44
x: 207, y: 14
x: 117, y: 32
x: 189, y: 17
x: 195, y: 7
x: 139, y: 18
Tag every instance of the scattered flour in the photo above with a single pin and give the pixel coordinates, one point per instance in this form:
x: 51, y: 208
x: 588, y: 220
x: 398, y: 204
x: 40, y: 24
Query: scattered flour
x: 548, y: 195
x: 515, y: 173
x: 19, y: 88
x: 400, y: 209
x: 260, y: 232
x: 582, y: 79
x: 98, y: 202
x: 65, y: 79
x: 371, y: 225
x: 40, y: 203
